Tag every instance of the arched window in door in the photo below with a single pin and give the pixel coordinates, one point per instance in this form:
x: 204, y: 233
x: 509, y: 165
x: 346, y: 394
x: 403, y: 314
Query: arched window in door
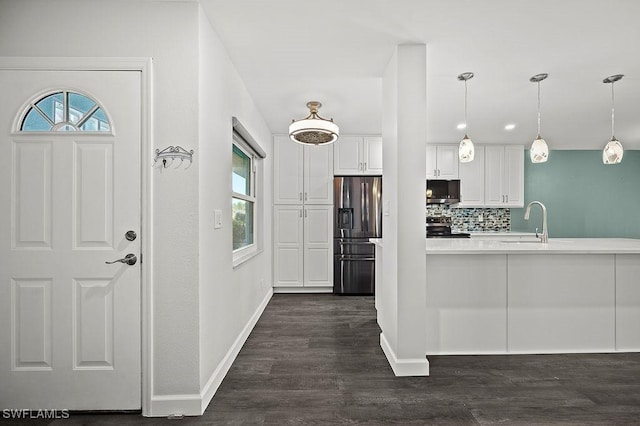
x: 64, y: 111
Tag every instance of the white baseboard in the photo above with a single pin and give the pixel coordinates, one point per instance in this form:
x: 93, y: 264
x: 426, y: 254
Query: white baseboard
x: 218, y: 375
x: 404, y: 367
x: 182, y: 405
x: 302, y: 290
x: 195, y: 404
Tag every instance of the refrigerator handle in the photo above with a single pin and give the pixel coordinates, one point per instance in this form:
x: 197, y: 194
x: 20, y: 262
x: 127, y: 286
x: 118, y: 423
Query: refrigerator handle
x: 364, y: 207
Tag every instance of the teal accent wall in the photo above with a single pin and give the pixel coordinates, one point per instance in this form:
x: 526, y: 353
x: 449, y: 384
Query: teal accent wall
x: 584, y: 198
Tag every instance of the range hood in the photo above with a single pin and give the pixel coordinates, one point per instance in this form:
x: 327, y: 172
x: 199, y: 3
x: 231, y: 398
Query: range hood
x: 443, y: 191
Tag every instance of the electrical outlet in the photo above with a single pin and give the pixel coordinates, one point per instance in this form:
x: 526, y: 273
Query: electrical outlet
x: 217, y: 219
x: 480, y: 218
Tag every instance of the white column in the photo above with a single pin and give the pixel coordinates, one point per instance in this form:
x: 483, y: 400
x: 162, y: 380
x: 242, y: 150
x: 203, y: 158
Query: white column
x: 402, y: 298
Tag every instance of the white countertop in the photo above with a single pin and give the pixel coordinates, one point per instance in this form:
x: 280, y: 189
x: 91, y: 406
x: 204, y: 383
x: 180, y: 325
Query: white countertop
x: 500, y: 234
x: 555, y: 245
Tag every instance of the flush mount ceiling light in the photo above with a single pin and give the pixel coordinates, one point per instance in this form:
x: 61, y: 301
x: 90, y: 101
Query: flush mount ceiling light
x: 539, y: 152
x: 612, y: 153
x: 313, y: 129
x: 465, y: 150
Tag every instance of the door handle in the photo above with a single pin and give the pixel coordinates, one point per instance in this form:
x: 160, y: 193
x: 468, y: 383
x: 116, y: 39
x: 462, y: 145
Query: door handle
x: 129, y: 259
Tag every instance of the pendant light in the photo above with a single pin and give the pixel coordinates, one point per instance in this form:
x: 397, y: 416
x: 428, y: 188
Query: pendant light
x: 313, y: 129
x: 465, y: 150
x: 539, y: 151
x: 612, y: 152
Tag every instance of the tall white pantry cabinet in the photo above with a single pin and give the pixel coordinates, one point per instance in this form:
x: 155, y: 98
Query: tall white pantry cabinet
x: 302, y: 217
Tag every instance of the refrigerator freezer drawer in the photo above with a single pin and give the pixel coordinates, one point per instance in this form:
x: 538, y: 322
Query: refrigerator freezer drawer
x: 352, y: 275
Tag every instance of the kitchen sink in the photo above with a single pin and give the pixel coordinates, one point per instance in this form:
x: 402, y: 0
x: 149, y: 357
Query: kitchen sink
x: 521, y: 242
x: 551, y: 241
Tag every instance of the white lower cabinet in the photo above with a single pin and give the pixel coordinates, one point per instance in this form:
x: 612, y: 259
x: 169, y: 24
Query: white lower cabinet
x: 303, y: 246
x: 532, y: 303
x: 466, y: 312
x: 627, y: 302
x: 567, y: 305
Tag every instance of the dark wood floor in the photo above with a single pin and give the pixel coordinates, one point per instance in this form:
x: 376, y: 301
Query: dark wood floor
x: 316, y: 359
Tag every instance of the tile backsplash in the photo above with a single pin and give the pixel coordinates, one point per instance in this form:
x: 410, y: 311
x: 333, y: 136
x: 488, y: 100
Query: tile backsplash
x: 473, y: 219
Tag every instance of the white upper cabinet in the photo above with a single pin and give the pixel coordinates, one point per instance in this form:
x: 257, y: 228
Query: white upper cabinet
x: 357, y: 155
x: 504, y: 176
x: 288, y: 171
x: 318, y: 174
x: 372, y: 155
x: 472, y: 186
x: 442, y: 162
x: 302, y: 174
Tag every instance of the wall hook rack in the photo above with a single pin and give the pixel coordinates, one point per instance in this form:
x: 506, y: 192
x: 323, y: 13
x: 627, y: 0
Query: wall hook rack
x: 167, y: 156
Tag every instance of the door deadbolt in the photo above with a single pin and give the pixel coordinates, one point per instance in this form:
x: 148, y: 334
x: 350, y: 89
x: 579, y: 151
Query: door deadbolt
x: 130, y: 235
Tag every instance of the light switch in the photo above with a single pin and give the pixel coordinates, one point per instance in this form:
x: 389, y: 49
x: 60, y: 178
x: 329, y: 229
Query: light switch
x: 217, y: 219
x: 386, y: 208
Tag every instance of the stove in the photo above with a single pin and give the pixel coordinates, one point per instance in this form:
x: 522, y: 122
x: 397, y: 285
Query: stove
x: 440, y: 227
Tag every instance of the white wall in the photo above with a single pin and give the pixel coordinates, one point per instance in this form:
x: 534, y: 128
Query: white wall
x: 228, y: 297
x: 404, y: 143
x: 387, y: 296
x: 200, y: 304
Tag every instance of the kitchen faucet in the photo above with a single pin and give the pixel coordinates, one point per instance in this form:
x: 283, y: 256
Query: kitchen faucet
x: 544, y: 238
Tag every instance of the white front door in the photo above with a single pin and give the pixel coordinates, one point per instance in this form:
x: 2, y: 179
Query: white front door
x: 69, y: 322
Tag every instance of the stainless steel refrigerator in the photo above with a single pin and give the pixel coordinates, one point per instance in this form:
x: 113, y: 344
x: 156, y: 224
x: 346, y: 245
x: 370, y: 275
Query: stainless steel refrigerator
x: 357, y: 217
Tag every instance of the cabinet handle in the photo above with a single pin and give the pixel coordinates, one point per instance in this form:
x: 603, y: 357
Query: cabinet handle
x: 301, y: 196
x: 305, y: 212
x: 364, y: 167
x: 300, y: 212
x: 506, y: 197
x: 305, y: 196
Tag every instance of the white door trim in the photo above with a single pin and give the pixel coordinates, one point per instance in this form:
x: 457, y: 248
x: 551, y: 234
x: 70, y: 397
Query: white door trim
x: 144, y: 65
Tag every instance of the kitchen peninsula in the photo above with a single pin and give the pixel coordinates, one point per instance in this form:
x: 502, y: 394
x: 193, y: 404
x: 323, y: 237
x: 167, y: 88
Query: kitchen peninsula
x: 512, y: 297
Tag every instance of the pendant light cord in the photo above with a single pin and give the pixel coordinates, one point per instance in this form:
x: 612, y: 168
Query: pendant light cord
x: 538, y: 110
x: 612, y: 113
x: 466, y: 127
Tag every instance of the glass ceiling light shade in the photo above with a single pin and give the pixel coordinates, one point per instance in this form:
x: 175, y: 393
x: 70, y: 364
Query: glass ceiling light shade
x: 313, y: 129
x: 612, y: 152
x: 539, y: 151
x: 465, y: 150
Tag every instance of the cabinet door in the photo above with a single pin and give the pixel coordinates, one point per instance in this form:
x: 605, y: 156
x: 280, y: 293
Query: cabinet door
x: 347, y: 156
x: 493, y: 172
x: 318, y: 174
x: 513, y: 181
x: 432, y: 162
x: 472, y: 180
x: 288, y: 246
x: 447, y: 156
x: 372, y: 155
x: 287, y: 171
x: 318, y: 246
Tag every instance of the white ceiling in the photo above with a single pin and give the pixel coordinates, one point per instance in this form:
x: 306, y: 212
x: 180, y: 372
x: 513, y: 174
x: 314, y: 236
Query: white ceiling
x: 335, y: 51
